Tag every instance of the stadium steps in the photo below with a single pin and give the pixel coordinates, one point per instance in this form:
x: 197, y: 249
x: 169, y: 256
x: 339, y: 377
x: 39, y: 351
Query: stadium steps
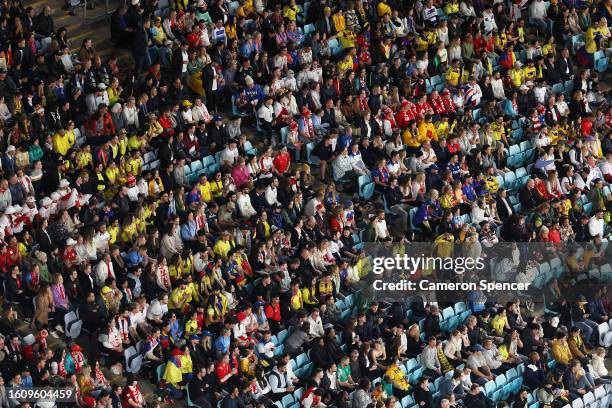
x: 99, y: 31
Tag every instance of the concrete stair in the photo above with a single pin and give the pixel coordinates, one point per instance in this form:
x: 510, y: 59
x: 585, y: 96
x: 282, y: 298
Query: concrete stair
x: 98, y: 31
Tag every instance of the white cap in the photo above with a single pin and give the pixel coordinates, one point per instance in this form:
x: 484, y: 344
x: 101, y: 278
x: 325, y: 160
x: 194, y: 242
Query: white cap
x: 70, y: 241
x: 64, y: 183
x: 46, y: 202
x: 9, y: 210
x: 55, y: 196
x: 11, y: 148
x: 102, y: 86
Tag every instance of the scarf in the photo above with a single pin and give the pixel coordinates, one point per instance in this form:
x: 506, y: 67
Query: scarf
x: 309, y: 125
x: 165, y: 278
x: 134, y: 394
x: 77, y: 359
x: 100, y: 379
x: 123, y: 326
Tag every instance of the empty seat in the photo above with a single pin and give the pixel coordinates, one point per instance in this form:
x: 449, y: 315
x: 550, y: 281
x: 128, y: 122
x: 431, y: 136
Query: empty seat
x: 460, y: 307
x: 500, y: 381
x: 448, y: 313
x: 489, y: 388
x: 605, y: 335
x: 588, y: 398
x: 577, y: 403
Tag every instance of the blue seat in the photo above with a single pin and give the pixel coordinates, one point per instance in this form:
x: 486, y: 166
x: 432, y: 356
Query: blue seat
x: 415, y: 375
x: 496, y: 397
x: 407, y: 401
x: 454, y: 323
x: 516, y: 384
x: 447, y: 313
x: 309, y: 28
x: 208, y: 160
x: 160, y: 372
x: 279, y: 350
x: 489, y: 388
x: 520, y: 173
x: 287, y: 400
x: 249, y: 149
x: 558, y: 88
x: 349, y: 301
x: 569, y: 88
x: 367, y: 191
x: 232, y: 7
x: 297, y: 394
x: 509, y: 180
x: 196, y: 166
x: 284, y: 134
x: 437, y: 383
x: 309, y: 156
x: 500, y: 381
x: 514, y: 149
x: 333, y: 43
x: 601, y: 65
x: 500, y: 181
x: 525, y: 145
x: 436, y: 80
x: 517, y: 134
x: 505, y: 392
x: 411, y: 365
x: 460, y: 307
x: 308, y: 369
x: 301, y: 360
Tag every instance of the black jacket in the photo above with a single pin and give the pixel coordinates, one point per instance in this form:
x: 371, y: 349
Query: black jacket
x: 477, y: 401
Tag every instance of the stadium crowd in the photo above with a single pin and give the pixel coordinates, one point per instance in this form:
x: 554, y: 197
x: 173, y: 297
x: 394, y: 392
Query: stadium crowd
x: 198, y: 220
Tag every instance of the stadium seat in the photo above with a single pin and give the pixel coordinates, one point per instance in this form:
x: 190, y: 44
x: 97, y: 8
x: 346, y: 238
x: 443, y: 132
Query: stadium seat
x: 297, y: 394
x: 511, y: 374
x: 558, y: 88
x: 448, y: 313
x: 309, y: 28
x: 500, y: 381
x: 407, y: 401
x: 309, y: 156
x: 588, y: 399
x: 287, y: 400
x: 411, y: 365
x: 489, y: 388
x: 605, y: 335
x: 509, y: 180
x: 301, y: 360
x: 514, y: 149
x: 460, y: 307
x: 160, y: 372
x: 249, y: 149
x: 516, y: 384
x: 601, y: 61
x: 577, y: 403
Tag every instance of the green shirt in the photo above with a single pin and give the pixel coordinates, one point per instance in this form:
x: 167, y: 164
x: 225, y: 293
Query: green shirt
x: 343, y: 373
